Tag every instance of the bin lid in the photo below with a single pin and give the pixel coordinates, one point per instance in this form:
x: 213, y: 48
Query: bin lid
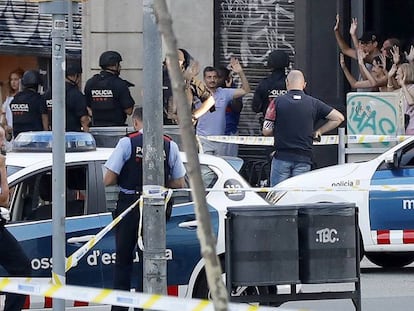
x: 261, y: 210
x: 328, y: 209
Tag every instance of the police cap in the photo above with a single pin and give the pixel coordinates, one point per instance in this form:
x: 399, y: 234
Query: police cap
x: 31, y: 78
x: 73, y: 68
x: 278, y: 60
x: 109, y: 58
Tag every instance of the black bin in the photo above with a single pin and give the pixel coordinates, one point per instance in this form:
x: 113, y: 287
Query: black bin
x: 262, y: 246
x: 327, y: 243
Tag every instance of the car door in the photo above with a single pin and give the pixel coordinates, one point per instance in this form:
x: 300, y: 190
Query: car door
x: 182, y: 245
x: 393, y: 210
x: 31, y: 205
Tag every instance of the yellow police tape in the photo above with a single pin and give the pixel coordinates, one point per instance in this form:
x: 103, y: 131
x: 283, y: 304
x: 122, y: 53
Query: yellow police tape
x: 73, y: 259
x: 117, y: 297
x: 325, y: 139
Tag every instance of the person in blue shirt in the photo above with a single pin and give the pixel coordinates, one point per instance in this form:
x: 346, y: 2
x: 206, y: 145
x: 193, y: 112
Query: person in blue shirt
x: 124, y: 168
x: 233, y: 111
x: 214, y: 123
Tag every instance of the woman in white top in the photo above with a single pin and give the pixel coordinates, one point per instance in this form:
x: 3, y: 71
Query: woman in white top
x: 14, y: 85
x: 405, y: 79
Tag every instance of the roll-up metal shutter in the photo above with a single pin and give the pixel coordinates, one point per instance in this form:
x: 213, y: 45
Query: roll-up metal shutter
x: 250, y: 30
x: 24, y: 31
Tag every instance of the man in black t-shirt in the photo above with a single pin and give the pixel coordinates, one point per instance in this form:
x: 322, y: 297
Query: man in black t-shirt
x: 290, y: 119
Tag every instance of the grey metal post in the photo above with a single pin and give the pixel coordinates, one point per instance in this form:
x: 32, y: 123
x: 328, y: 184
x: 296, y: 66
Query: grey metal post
x: 58, y: 9
x: 341, y: 145
x: 155, y: 264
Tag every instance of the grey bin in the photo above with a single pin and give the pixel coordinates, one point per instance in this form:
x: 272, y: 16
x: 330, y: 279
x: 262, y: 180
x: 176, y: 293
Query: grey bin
x: 327, y: 243
x: 262, y: 245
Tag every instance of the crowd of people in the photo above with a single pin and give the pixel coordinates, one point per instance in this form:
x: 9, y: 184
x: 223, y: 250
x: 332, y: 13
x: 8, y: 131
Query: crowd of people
x: 384, y: 65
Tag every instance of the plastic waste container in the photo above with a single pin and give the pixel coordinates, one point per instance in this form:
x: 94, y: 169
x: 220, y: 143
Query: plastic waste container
x: 262, y: 246
x: 327, y: 243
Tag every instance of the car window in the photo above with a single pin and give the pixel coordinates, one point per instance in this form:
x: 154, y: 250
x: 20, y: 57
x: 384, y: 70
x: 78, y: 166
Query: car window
x: 407, y: 158
x: 207, y: 174
x: 31, y: 198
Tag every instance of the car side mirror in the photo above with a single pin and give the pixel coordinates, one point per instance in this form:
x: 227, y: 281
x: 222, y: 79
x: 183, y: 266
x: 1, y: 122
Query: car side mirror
x: 393, y: 160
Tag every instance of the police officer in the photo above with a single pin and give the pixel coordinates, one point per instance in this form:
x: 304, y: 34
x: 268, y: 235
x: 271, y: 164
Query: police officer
x: 77, y: 116
x: 12, y: 257
x: 107, y: 94
x: 29, y: 107
x: 272, y: 86
x: 124, y: 167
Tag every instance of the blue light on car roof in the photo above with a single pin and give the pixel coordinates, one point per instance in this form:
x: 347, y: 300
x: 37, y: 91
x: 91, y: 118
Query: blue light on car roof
x: 42, y: 142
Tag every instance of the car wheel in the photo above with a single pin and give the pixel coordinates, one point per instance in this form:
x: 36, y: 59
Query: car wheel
x: 390, y: 260
x: 202, y: 291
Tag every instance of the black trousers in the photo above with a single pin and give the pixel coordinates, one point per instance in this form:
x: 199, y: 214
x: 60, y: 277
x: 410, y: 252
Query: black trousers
x: 126, y: 237
x: 16, y: 263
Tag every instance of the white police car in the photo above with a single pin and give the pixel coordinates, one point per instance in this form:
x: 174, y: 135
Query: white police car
x: 382, y: 189
x: 89, y: 206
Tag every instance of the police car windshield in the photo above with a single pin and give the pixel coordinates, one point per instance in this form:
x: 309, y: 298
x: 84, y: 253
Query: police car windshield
x: 11, y: 169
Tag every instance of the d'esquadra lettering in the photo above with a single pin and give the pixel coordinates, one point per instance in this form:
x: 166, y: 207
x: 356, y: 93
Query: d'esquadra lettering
x: 408, y: 204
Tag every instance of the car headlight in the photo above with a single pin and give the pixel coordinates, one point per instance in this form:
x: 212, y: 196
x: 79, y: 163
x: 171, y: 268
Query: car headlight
x: 274, y: 196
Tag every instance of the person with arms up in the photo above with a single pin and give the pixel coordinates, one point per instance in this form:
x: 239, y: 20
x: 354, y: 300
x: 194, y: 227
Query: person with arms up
x: 77, y: 116
x: 124, y: 168
x: 195, y: 90
x: 290, y: 119
x: 214, y: 123
x: 12, y: 257
x: 107, y: 95
x: 29, y: 107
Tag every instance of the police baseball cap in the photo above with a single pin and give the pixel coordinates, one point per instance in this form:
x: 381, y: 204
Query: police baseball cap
x: 368, y: 37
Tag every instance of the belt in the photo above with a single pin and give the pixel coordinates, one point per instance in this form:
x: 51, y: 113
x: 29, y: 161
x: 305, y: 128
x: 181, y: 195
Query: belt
x: 138, y: 193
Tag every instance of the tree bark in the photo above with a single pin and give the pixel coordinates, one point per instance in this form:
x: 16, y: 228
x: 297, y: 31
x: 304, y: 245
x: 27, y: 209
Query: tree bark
x: 204, y: 228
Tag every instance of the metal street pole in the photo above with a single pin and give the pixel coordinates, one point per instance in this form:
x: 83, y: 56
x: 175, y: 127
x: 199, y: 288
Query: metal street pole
x: 155, y: 264
x: 58, y: 9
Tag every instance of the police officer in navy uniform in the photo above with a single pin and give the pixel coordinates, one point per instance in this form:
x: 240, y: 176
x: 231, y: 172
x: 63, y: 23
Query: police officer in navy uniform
x: 77, y: 116
x: 272, y: 86
x: 107, y: 94
x: 12, y: 257
x: 124, y: 168
x: 29, y: 107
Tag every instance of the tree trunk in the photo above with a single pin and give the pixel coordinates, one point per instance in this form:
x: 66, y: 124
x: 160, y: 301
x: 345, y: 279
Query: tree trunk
x: 204, y: 228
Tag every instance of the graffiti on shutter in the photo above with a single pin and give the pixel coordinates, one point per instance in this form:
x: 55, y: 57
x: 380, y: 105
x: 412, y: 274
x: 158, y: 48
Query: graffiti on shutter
x: 250, y: 30
x: 23, y: 28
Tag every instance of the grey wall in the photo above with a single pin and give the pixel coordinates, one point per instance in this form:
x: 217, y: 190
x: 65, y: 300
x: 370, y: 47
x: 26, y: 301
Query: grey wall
x: 117, y: 25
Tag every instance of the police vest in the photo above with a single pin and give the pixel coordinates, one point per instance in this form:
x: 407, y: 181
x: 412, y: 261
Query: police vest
x: 26, y: 110
x: 106, y: 109
x: 130, y: 177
